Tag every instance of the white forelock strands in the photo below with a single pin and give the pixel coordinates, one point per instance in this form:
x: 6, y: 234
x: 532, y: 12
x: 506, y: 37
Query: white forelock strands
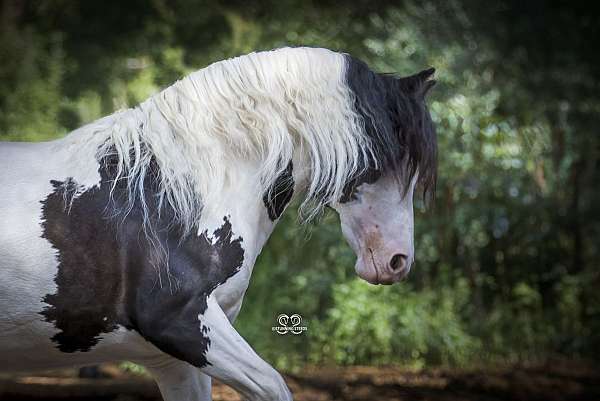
x: 262, y: 106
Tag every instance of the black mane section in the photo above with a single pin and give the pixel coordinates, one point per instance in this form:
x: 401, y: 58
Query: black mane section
x: 398, y: 124
x: 280, y: 193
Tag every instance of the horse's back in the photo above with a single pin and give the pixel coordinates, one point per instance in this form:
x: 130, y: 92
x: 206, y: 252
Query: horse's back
x: 24, y: 182
x: 26, y: 179
x: 26, y: 259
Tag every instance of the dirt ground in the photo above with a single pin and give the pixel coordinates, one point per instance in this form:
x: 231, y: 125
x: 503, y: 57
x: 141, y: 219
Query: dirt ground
x: 552, y: 382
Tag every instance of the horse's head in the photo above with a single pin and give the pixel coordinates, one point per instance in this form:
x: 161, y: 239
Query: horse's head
x: 377, y: 221
x: 376, y: 210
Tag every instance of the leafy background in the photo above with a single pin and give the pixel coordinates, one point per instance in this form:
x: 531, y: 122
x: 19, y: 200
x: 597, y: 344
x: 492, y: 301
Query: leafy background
x: 507, y: 257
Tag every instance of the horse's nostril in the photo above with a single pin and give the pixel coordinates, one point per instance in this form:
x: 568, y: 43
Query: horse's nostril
x: 398, y: 261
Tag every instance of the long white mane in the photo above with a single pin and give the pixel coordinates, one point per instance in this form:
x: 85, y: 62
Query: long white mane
x: 263, y: 106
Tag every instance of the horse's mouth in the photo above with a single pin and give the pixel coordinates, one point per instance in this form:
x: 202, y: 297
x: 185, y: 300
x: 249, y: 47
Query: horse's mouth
x: 369, y: 268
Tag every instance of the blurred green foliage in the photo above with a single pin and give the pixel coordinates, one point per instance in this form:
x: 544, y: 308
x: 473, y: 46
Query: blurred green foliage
x: 507, y: 257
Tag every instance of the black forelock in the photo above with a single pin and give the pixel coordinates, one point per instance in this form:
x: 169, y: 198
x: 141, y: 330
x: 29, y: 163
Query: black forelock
x: 398, y: 124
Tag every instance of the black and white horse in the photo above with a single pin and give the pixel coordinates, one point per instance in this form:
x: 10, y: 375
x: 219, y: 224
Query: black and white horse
x: 134, y: 237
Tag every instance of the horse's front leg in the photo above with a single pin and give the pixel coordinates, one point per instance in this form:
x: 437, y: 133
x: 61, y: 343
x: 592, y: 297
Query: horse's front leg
x: 178, y: 380
x: 208, y: 341
x: 232, y: 361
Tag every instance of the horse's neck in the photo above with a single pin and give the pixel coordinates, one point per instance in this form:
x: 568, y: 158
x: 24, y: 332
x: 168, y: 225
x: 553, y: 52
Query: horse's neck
x: 240, y: 200
x: 242, y: 205
x: 253, y: 214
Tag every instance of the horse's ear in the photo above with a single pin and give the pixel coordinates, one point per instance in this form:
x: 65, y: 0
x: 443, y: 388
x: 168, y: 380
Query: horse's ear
x: 426, y: 74
x: 418, y: 83
x: 427, y: 86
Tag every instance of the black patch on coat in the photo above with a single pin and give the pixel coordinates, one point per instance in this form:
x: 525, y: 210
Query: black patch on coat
x: 88, y: 289
x: 397, y: 123
x: 280, y: 193
x: 111, y: 273
x: 168, y: 316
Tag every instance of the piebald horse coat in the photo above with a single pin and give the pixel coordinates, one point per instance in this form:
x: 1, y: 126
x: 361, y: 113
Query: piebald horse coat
x: 134, y: 237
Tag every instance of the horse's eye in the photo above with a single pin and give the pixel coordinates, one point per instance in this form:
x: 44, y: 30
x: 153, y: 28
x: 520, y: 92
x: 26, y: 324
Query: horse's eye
x: 368, y: 177
x: 371, y: 175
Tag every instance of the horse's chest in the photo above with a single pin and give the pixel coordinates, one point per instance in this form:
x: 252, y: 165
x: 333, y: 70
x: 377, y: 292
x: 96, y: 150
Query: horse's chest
x: 230, y: 295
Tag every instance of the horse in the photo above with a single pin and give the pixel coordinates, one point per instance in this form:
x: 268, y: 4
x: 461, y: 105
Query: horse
x: 134, y: 237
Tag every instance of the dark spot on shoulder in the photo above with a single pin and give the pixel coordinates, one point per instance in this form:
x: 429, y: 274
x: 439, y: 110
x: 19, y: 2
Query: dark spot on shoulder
x: 280, y: 194
x: 171, y: 320
x: 111, y: 274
